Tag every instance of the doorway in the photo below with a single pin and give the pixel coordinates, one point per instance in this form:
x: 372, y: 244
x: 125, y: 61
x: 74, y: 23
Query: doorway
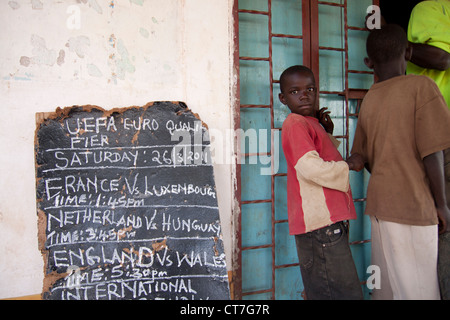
x: 329, y: 37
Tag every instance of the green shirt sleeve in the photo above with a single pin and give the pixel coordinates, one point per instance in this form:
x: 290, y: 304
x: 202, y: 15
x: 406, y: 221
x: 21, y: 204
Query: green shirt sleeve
x: 428, y: 23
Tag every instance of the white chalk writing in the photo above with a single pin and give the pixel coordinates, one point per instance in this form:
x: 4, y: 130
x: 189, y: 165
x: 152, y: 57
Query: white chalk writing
x: 115, y: 224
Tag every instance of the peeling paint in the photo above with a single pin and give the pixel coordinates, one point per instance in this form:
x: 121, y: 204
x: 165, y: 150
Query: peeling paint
x: 144, y: 32
x: 94, y: 5
x: 14, y: 5
x: 138, y: 2
x: 78, y: 45
x: 62, y: 55
x: 25, y: 61
x: 112, y: 41
x: 123, y: 64
x: 17, y: 78
x: 41, y: 55
x: 37, y: 5
x: 94, y: 71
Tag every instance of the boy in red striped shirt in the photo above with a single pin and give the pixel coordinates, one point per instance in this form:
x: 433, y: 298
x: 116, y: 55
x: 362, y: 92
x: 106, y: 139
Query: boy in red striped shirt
x: 319, y: 196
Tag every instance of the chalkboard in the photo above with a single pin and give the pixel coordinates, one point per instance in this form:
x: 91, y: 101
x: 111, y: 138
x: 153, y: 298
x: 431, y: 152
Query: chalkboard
x: 127, y: 205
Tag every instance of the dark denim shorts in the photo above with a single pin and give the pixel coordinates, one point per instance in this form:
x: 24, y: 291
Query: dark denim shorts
x: 327, y: 266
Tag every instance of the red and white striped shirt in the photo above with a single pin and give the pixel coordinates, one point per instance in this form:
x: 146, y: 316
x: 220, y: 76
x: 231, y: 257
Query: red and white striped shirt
x: 318, y: 186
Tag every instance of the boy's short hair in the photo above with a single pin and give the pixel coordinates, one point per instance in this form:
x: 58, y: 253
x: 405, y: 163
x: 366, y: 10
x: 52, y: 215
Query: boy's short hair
x: 292, y: 70
x: 387, y: 43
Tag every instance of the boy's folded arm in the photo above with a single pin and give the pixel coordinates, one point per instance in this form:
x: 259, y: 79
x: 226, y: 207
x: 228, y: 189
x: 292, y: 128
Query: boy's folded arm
x: 329, y: 174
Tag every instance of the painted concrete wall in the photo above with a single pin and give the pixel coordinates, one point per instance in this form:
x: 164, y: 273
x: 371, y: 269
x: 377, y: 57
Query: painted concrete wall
x: 111, y: 54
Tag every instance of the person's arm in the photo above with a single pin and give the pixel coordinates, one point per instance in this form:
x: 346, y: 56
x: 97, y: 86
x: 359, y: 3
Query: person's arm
x: 358, y: 159
x: 300, y: 151
x: 328, y: 174
x: 355, y: 162
x: 430, y: 57
x: 434, y: 168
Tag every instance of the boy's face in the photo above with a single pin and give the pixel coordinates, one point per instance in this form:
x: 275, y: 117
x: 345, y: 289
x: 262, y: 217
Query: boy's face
x: 299, y: 94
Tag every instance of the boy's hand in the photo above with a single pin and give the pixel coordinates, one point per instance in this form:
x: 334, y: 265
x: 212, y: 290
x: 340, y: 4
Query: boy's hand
x: 324, y: 118
x: 355, y: 162
x: 444, y: 219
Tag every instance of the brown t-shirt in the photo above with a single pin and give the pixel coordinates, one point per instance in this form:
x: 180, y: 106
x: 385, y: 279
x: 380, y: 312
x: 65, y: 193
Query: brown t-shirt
x: 402, y: 120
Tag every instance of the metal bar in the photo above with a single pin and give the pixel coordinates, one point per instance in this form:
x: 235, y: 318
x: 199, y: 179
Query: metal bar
x: 236, y: 285
x: 314, y: 30
x: 306, y: 27
x: 331, y: 48
x: 258, y: 247
x: 272, y: 121
x: 357, y: 28
x: 253, y: 12
x: 255, y: 201
x: 360, y: 71
x: 326, y: 3
x: 280, y: 175
x: 255, y: 154
x: 279, y: 35
x: 256, y: 292
x: 282, y: 266
x: 243, y: 106
x: 254, y: 58
x: 360, y: 242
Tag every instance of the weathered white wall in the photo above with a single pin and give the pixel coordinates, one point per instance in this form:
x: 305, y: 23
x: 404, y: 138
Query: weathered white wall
x: 118, y: 53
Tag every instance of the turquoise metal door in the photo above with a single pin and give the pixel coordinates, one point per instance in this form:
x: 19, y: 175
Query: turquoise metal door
x: 329, y: 37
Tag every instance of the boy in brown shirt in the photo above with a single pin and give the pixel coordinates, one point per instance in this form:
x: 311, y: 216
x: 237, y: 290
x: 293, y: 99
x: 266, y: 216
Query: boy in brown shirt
x: 403, y: 126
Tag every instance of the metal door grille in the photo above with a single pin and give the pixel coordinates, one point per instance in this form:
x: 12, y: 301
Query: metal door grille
x: 309, y: 36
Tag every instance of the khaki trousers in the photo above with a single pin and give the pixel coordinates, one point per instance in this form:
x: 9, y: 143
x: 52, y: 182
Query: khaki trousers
x: 407, y: 258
